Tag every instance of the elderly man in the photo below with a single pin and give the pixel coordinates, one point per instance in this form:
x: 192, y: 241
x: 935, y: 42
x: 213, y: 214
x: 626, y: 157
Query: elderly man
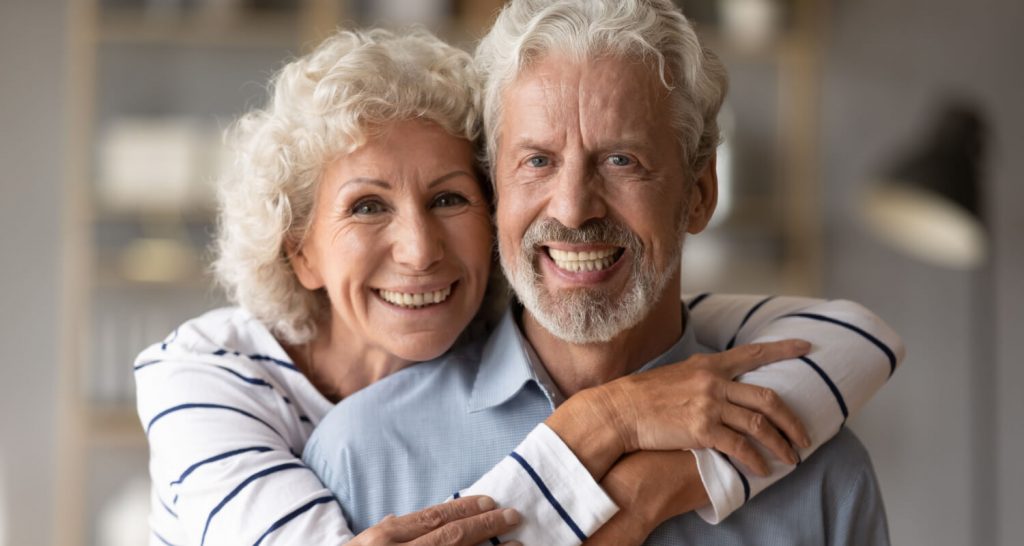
x: 600, y: 123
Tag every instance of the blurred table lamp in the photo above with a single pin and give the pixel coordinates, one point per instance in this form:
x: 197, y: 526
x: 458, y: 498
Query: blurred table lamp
x: 930, y: 206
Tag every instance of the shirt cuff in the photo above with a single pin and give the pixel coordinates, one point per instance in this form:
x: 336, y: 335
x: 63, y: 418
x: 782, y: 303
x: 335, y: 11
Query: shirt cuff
x: 559, y: 500
x: 722, y: 483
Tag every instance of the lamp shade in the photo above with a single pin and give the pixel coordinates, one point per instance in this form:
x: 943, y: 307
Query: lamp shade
x: 928, y: 205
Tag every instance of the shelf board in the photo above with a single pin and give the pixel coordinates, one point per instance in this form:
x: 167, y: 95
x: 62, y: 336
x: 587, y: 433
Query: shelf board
x: 135, y: 27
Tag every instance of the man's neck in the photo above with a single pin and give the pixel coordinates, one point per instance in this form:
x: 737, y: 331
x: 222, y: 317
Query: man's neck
x: 574, y: 367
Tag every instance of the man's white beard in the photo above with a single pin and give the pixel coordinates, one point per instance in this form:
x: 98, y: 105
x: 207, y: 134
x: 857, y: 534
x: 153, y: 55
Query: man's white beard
x: 589, y: 315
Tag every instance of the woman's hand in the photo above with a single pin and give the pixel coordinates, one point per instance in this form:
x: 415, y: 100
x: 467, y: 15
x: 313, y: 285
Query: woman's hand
x: 688, y: 405
x: 697, y: 404
x: 461, y: 522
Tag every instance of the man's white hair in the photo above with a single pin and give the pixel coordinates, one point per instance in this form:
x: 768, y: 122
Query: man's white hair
x: 654, y: 31
x: 322, y: 105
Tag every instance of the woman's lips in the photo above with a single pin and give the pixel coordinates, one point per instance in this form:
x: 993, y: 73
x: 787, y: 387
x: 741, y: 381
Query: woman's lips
x: 412, y: 298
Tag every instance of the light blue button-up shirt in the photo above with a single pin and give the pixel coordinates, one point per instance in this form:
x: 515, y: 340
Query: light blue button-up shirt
x: 416, y: 437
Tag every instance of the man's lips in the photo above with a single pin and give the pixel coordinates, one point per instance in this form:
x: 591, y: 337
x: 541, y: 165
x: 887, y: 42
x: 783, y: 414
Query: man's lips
x: 578, y: 259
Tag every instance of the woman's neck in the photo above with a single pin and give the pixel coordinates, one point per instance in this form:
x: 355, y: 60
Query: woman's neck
x: 339, y: 363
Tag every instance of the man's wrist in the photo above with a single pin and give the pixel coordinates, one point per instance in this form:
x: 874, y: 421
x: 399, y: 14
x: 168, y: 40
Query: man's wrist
x: 590, y: 427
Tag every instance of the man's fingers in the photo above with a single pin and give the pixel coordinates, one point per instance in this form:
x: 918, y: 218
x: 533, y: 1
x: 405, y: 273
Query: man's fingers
x: 418, y: 524
x: 471, y: 530
x: 760, y: 428
x: 768, y: 403
x: 738, y: 447
x: 745, y: 358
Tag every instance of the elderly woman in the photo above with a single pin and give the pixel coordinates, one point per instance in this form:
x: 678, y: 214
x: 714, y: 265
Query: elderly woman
x: 355, y: 237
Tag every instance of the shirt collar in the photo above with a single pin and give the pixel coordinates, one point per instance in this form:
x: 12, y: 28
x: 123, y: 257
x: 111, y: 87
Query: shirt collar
x: 508, y: 363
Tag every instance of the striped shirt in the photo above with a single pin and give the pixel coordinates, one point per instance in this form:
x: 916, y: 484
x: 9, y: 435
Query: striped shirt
x: 227, y: 416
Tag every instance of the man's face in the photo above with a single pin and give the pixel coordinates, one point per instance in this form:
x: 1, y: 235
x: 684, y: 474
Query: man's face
x: 593, y: 195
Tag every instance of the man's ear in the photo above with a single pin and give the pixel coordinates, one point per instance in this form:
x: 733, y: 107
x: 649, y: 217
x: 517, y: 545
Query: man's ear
x: 703, y: 197
x: 304, y: 268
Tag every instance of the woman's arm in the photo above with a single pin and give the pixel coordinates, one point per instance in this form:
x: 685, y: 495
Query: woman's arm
x: 224, y: 455
x: 854, y: 353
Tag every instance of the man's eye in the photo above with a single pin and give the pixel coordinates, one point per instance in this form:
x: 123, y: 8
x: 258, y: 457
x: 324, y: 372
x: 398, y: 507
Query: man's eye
x: 367, y: 208
x: 450, y: 200
x: 538, y: 161
x: 620, y: 160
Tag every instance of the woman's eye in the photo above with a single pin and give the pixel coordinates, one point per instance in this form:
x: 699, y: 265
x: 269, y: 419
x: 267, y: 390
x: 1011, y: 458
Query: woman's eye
x: 366, y: 208
x: 450, y: 200
x: 538, y: 161
x: 620, y: 160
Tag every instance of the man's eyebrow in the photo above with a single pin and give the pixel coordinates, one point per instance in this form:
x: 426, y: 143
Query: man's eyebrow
x: 447, y: 177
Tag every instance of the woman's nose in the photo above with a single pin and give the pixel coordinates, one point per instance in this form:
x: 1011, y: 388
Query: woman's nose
x: 418, y: 242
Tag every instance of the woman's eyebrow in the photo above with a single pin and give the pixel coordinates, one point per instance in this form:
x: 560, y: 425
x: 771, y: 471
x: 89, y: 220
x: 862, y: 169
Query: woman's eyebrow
x: 447, y: 177
x: 364, y: 180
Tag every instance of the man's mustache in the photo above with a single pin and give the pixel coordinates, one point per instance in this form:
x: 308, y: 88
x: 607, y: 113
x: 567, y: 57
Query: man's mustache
x: 599, y: 231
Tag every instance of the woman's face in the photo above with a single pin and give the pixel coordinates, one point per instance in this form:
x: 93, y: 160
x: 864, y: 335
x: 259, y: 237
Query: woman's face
x: 401, y: 241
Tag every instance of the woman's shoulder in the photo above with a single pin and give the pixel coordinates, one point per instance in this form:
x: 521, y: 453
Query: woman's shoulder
x: 226, y: 330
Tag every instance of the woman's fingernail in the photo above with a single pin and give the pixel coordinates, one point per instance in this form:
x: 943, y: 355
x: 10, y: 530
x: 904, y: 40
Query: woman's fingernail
x: 802, y: 345
x: 511, y: 516
x: 486, y: 503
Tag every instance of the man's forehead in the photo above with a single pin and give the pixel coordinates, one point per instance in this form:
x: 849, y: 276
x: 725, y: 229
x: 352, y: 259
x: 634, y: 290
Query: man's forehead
x: 596, y: 93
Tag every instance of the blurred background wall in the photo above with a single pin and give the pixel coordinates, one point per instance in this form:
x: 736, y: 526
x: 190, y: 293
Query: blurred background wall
x: 825, y: 96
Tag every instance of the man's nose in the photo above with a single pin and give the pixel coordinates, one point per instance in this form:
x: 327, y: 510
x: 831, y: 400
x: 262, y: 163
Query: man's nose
x: 418, y: 243
x: 576, y: 197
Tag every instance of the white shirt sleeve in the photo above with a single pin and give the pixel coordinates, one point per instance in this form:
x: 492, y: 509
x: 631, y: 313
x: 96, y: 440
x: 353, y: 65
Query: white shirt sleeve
x: 559, y: 500
x: 853, y: 355
x: 225, y: 455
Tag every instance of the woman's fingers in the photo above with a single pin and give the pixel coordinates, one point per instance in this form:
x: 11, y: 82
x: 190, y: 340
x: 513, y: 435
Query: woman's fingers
x: 418, y: 524
x: 471, y: 530
x: 745, y: 358
x: 768, y: 403
x: 738, y: 447
x: 758, y: 427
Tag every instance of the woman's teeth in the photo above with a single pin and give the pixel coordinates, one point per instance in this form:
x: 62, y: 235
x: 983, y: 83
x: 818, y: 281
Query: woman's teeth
x: 417, y: 300
x: 594, y: 260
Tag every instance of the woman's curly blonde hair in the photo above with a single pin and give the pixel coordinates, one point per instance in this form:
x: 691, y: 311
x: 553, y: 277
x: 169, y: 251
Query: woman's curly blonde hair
x: 322, y: 105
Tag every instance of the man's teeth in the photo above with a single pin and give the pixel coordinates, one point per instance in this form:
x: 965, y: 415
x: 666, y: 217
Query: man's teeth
x: 594, y: 260
x: 417, y: 300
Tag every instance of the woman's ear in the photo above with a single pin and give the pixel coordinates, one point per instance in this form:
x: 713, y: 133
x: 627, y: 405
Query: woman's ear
x: 703, y: 197
x: 305, y: 268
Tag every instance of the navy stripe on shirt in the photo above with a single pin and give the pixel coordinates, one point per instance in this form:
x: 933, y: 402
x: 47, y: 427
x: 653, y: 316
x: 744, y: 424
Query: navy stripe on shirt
x: 183, y: 407
x: 292, y: 515
x: 697, y: 299
x: 732, y: 342
x: 551, y: 498
x: 831, y: 386
x: 162, y: 539
x: 877, y: 342
x: 168, y: 508
x: 215, y: 458
x: 240, y: 487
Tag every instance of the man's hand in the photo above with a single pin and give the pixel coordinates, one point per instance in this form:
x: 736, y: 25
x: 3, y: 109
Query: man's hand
x: 688, y: 405
x: 650, y: 487
x: 461, y: 522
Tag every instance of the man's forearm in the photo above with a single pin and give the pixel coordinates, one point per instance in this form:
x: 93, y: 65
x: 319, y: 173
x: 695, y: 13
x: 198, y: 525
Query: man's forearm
x: 649, y: 487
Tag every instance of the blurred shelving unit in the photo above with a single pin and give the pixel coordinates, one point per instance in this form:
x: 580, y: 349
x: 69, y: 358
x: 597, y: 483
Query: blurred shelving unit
x: 767, y: 236
x: 156, y: 81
